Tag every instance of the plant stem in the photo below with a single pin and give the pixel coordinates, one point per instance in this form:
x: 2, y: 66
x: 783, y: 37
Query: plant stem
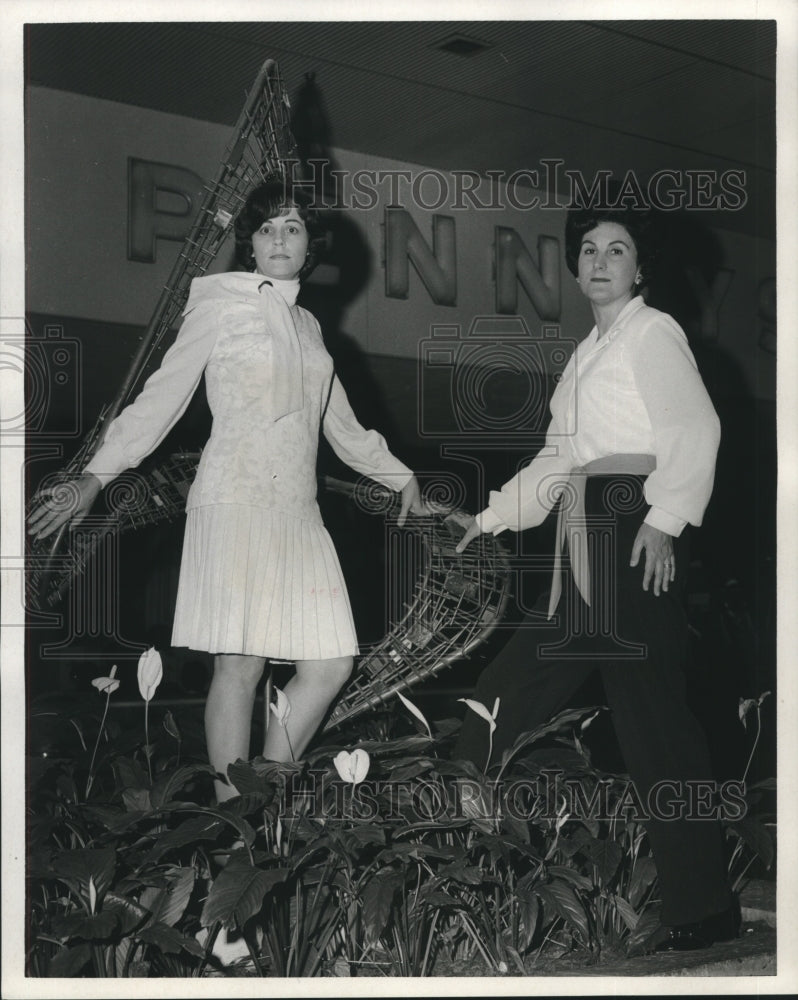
x: 90, y: 779
x: 147, y: 738
x: 756, y: 741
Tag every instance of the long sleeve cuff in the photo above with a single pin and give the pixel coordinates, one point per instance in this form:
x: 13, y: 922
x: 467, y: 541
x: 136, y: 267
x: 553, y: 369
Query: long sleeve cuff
x: 669, y: 523
x: 395, y: 481
x: 489, y: 520
x: 109, y: 461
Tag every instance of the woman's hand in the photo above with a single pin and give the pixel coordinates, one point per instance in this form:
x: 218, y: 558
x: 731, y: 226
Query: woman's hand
x: 660, y: 560
x: 68, y: 501
x: 411, y: 501
x: 472, y: 531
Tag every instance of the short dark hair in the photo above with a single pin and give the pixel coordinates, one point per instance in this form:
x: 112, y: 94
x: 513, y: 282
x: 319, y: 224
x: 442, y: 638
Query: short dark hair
x: 277, y: 196
x: 638, y: 223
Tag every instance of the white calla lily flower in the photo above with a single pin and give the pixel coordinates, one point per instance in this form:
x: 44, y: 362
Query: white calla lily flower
x: 150, y: 672
x: 106, y: 685
x: 352, y: 767
x: 281, y: 707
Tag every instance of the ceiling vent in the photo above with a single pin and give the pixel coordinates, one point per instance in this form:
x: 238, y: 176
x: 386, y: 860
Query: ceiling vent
x: 462, y: 45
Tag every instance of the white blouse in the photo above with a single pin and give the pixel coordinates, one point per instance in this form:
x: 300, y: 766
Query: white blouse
x: 636, y: 390
x: 263, y: 444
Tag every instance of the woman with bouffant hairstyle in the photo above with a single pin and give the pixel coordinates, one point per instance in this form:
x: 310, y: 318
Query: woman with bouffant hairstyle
x: 259, y: 575
x: 629, y: 460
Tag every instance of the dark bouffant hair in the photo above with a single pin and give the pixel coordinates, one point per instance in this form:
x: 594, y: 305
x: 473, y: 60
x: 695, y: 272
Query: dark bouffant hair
x: 639, y: 224
x: 277, y: 196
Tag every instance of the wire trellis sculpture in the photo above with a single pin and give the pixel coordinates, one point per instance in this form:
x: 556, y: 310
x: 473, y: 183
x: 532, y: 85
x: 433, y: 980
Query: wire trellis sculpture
x: 457, y: 600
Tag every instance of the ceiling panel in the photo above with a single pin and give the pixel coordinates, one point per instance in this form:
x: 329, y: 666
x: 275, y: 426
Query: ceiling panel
x: 600, y: 95
x: 747, y: 45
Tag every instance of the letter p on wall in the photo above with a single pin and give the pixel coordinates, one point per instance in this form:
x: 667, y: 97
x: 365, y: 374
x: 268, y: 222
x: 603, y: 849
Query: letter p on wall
x: 162, y: 201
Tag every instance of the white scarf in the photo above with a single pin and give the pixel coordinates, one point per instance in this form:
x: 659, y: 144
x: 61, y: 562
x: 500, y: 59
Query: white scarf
x: 276, y: 298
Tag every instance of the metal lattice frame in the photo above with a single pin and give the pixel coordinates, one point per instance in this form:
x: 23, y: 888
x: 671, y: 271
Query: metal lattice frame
x: 456, y: 602
x: 261, y: 145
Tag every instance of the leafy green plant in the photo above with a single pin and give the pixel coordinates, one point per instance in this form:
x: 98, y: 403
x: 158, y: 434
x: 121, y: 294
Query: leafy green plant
x: 376, y: 856
x: 750, y: 837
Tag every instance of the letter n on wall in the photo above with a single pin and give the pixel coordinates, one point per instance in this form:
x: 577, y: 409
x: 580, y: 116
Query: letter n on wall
x: 161, y: 204
x: 404, y: 244
x: 513, y: 262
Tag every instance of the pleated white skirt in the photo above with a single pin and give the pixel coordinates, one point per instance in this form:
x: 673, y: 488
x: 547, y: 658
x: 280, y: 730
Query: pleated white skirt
x: 263, y: 583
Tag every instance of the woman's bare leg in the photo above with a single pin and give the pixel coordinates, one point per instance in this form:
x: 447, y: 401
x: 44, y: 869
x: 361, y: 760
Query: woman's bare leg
x: 228, y: 712
x: 310, y: 692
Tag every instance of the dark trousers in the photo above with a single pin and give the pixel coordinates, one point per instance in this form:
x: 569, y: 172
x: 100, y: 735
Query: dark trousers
x: 638, y: 643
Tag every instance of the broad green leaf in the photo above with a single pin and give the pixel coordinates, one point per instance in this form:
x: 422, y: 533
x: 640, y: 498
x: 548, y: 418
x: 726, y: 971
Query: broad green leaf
x: 111, y: 817
x: 165, y: 787
x: 439, y: 898
x: 530, y: 908
x: 190, y: 831
x: 227, y: 815
x: 129, y: 773
x: 445, y: 727
x: 628, y: 913
x: 69, y: 961
x: 757, y: 837
x: 558, y: 758
x: 463, y: 874
x: 647, y: 923
x: 411, y: 770
x: 460, y: 769
x: 169, y: 940
x: 367, y: 835
x: 645, y: 871
x: 571, y: 876
x: 247, y: 804
x: 518, y: 827
x: 378, y: 897
x: 128, y: 913
x: 399, y: 851
x: 606, y: 855
x: 121, y: 952
x: 249, y: 779
x: 565, y: 720
x: 90, y: 927
x: 238, y: 893
x: 137, y: 800
x: 440, y: 826
x: 562, y: 900
x: 168, y: 904
x: 575, y: 842
x: 84, y: 863
x: 501, y: 847
x: 380, y: 748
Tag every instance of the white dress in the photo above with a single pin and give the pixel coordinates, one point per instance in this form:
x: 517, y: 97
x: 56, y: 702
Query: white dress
x: 259, y: 573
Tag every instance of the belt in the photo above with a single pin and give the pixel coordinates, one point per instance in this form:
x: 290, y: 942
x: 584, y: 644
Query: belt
x: 571, y: 521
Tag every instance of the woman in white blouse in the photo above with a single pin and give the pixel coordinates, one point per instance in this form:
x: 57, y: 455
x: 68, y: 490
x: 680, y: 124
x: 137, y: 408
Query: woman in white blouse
x: 630, y: 459
x: 259, y: 576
